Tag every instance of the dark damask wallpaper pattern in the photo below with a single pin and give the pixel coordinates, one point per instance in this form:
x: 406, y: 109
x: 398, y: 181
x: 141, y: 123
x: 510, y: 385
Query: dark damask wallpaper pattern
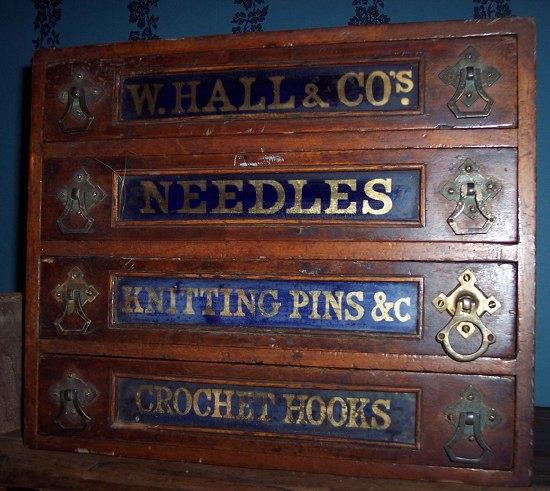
x: 48, y: 14
x: 250, y: 16
x: 145, y: 21
x: 368, y: 12
x: 489, y: 9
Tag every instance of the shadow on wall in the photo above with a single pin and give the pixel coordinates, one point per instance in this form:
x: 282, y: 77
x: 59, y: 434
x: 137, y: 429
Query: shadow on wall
x: 24, y: 149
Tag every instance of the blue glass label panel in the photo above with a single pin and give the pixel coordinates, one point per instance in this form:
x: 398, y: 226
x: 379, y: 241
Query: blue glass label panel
x: 389, y: 307
x: 389, y: 86
x: 379, y: 416
x: 374, y: 195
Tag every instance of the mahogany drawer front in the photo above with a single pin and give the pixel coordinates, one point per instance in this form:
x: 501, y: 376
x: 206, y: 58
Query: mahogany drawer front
x: 355, y: 195
x: 427, y: 83
x: 285, y: 417
x: 321, y: 306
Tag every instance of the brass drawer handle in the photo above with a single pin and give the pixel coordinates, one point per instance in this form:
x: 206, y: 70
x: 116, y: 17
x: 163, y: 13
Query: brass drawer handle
x: 78, y: 97
x: 469, y: 76
x: 79, y: 198
x: 466, y: 303
x: 77, y: 108
x: 470, y: 417
x: 73, y: 395
x: 472, y: 192
x: 73, y: 294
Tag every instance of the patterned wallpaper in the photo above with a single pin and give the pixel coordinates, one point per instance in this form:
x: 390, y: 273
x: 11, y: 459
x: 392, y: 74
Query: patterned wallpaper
x: 145, y: 21
x: 249, y: 16
x: 48, y: 14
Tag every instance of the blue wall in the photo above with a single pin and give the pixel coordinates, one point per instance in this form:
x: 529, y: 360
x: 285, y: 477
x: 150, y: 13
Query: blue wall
x: 100, y: 21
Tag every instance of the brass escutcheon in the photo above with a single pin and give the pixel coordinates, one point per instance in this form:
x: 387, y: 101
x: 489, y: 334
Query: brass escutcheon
x: 78, y: 198
x: 79, y: 96
x: 73, y: 395
x: 466, y: 303
x: 472, y: 192
x: 471, y: 417
x: 73, y: 294
x: 469, y: 76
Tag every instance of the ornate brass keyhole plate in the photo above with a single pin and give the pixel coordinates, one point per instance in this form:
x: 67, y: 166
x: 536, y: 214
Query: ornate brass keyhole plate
x: 472, y: 193
x: 79, y: 97
x: 74, y: 294
x: 73, y: 395
x: 471, y: 417
x: 466, y: 303
x: 79, y: 198
x: 469, y: 76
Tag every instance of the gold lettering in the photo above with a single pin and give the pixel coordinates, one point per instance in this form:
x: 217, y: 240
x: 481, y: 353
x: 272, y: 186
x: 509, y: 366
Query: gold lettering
x: 218, y: 403
x: 189, y: 294
x: 219, y: 95
x: 176, y: 401
x: 387, y: 88
x: 312, y: 98
x: 196, y: 407
x: 225, y: 195
x: 247, y: 104
x: 172, y: 309
x: 336, y: 196
x: 357, y: 411
x: 188, y: 196
x: 139, y: 401
x: 341, y: 88
x: 291, y: 408
x: 404, y: 81
x: 131, y: 296
x: 150, y: 192
x: 226, y: 311
x: 315, y: 294
x: 154, y: 298
x: 275, y: 306
x: 208, y: 292
x: 265, y: 397
x: 359, y: 309
x: 146, y: 94
x: 343, y: 411
x: 298, y: 185
x: 259, y: 204
x: 249, y: 302
x: 277, y: 103
x: 322, y: 410
x: 297, y: 303
x: 192, y: 96
x: 164, y: 396
x: 397, y: 309
x: 386, y: 200
x: 333, y: 300
x: 386, y: 419
x: 245, y: 410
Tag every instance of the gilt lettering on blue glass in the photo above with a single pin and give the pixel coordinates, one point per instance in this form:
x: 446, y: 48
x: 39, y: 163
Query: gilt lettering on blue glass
x: 374, y: 195
x: 385, y: 86
x: 381, y: 306
x: 382, y: 416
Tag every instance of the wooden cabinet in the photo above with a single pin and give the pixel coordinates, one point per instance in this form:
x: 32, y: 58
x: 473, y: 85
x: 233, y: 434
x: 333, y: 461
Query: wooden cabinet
x: 307, y: 250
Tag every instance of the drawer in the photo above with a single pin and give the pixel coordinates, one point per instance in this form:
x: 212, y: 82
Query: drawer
x: 260, y: 311
x: 328, y: 420
x: 399, y: 195
x: 330, y: 84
